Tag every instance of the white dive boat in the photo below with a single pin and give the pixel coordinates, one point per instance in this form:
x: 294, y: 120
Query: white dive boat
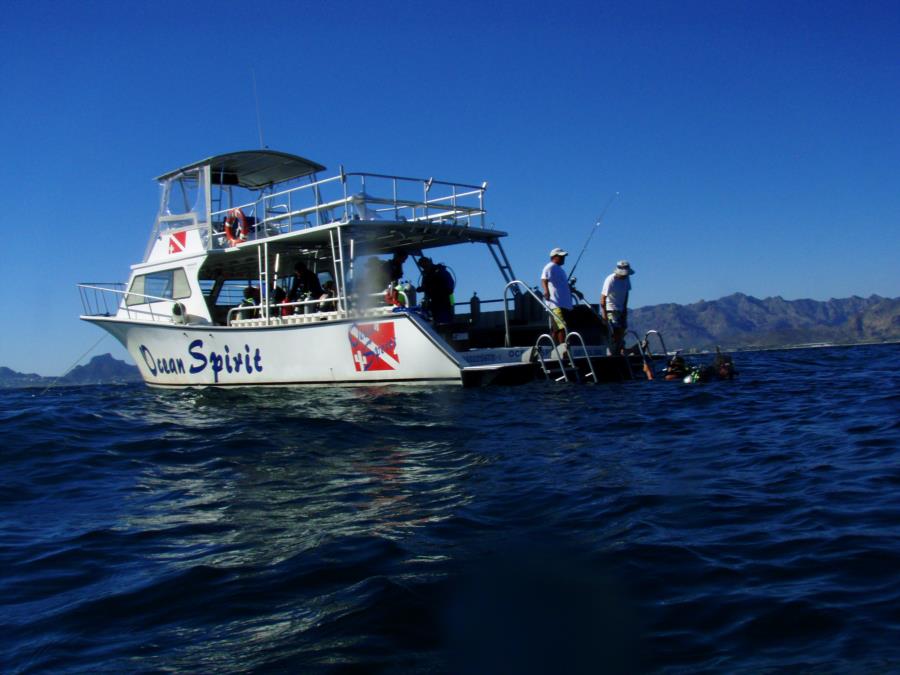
x: 211, y: 303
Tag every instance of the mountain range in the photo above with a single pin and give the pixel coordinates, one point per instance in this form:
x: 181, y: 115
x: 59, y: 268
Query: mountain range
x: 736, y: 321
x: 102, y: 369
x: 741, y: 321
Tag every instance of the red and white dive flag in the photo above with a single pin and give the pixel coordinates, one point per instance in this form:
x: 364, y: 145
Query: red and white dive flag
x: 374, y: 346
x: 177, y: 242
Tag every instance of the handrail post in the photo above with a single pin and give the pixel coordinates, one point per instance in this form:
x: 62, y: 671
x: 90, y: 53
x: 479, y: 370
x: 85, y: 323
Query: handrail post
x: 506, y: 288
x: 396, y: 208
x: 575, y: 334
x: 659, y: 336
x: 641, y: 352
x: 316, y: 196
x: 559, y: 358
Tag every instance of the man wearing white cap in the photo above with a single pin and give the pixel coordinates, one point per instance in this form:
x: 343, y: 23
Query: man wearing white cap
x: 556, y: 292
x: 614, y: 303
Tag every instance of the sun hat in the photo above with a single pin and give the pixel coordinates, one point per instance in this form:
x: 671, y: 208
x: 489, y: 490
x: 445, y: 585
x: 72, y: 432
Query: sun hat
x: 623, y: 269
x: 558, y: 251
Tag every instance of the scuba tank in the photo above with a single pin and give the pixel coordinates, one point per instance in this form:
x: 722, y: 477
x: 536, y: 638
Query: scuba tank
x: 410, y: 292
x: 474, y: 308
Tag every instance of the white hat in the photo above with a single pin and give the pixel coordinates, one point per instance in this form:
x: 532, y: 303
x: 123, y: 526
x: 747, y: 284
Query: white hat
x: 558, y: 251
x: 623, y: 269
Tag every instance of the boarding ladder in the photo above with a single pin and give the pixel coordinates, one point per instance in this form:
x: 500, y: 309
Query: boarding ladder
x: 648, y: 363
x: 567, y: 352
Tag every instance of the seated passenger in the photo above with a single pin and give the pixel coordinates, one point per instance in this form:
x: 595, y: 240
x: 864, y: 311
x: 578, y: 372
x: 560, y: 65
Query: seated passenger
x: 279, y: 299
x: 251, y: 299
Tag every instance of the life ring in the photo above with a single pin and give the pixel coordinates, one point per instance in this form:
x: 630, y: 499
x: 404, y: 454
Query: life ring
x: 243, y: 232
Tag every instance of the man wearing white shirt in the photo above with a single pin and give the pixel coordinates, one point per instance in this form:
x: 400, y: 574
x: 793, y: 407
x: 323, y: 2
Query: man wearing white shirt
x: 614, y: 304
x: 557, y: 292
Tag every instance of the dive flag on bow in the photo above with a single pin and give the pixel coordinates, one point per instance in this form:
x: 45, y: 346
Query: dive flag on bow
x: 374, y: 346
x: 177, y: 242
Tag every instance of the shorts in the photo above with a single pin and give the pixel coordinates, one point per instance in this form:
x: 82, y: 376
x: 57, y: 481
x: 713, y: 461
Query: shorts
x: 560, y: 317
x: 616, y: 320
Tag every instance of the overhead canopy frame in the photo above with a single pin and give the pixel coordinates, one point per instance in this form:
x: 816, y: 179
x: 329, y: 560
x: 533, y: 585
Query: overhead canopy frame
x: 252, y: 169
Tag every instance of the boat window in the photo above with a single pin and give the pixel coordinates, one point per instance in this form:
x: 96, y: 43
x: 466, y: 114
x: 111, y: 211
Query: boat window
x: 232, y: 292
x: 168, y: 284
x: 183, y: 194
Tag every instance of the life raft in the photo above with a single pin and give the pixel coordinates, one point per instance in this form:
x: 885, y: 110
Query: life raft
x: 236, y: 216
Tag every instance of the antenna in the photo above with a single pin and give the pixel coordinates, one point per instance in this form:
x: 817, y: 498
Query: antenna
x: 258, y: 118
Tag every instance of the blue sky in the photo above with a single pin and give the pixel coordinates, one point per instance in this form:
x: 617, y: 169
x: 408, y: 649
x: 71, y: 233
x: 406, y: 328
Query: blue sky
x: 756, y: 145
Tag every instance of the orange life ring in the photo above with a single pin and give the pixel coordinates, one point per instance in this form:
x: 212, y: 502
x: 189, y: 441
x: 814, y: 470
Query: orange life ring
x: 236, y: 216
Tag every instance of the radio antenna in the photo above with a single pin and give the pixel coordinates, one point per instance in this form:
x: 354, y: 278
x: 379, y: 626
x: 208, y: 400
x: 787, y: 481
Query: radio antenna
x: 258, y: 118
x: 593, y: 229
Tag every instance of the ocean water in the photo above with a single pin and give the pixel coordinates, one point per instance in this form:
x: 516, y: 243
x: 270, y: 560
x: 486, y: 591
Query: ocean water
x: 740, y: 526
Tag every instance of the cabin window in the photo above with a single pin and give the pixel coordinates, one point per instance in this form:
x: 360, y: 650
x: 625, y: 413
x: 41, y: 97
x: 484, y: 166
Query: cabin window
x: 232, y: 292
x: 183, y: 194
x: 166, y: 284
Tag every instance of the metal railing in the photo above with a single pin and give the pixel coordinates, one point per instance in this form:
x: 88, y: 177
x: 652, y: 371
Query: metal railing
x: 661, y: 342
x: 323, y: 202
x: 587, y: 356
x: 275, y: 310
x: 99, y: 298
x: 516, y: 282
x: 101, y: 294
x: 648, y: 365
x: 354, y: 305
x: 559, y: 359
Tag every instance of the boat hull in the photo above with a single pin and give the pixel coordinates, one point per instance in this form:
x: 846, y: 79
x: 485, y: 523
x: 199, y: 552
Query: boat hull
x: 395, y: 348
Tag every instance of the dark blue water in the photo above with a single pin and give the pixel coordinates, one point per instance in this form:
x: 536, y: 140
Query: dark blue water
x: 733, y: 526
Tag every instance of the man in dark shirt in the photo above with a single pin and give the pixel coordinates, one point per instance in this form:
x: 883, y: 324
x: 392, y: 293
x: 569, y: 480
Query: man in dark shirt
x: 437, y: 285
x: 304, y: 281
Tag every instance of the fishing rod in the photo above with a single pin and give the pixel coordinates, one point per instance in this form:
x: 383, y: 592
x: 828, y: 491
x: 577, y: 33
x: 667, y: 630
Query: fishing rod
x: 593, y: 230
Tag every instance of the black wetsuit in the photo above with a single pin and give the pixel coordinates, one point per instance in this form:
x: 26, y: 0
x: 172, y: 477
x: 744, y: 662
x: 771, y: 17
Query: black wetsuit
x: 438, y: 285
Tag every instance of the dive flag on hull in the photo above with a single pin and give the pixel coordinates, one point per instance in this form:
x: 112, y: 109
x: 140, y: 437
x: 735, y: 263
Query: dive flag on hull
x: 374, y: 346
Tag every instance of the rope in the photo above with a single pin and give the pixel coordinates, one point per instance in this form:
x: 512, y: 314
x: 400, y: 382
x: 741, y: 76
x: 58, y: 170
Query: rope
x: 70, y: 368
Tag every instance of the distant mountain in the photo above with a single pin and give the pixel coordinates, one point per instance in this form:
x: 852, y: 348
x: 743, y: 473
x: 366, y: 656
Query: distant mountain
x: 103, y: 369
x: 742, y: 321
x: 11, y: 378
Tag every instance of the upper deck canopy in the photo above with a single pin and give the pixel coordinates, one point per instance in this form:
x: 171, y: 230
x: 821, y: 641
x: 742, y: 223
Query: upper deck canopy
x: 252, y: 169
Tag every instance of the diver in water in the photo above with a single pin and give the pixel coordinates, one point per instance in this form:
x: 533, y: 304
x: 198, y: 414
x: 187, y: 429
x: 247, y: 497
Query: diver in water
x: 677, y: 368
x: 722, y: 368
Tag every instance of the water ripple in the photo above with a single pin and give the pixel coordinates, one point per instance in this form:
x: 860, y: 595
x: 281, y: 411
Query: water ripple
x: 741, y: 526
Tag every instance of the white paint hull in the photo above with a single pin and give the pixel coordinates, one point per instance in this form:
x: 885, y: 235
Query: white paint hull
x: 396, y: 348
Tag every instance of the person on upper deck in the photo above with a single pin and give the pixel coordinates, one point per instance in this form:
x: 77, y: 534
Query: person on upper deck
x: 437, y: 285
x: 557, y: 292
x: 304, y: 285
x: 614, y: 304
